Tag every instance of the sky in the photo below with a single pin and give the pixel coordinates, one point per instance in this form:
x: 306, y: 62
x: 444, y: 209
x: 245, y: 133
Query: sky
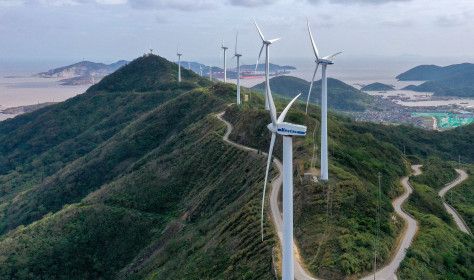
x: 66, y: 31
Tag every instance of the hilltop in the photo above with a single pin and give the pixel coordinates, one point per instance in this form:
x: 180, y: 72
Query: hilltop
x: 377, y: 87
x: 453, y: 80
x: 340, y: 95
x: 433, y: 72
x: 132, y: 180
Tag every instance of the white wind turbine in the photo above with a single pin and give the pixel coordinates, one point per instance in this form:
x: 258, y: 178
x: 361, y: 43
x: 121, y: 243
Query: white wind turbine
x: 179, y: 63
x: 325, y: 61
x: 189, y: 65
x: 210, y: 73
x: 288, y: 130
x: 224, y: 48
x: 200, y: 70
x: 266, y: 44
x: 238, y: 69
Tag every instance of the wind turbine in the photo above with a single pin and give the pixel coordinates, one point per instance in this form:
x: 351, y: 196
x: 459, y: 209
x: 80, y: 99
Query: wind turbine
x: 224, y: 48
x: 179, y: 63
x: 189, y: 65
x: 266, y: 44
x: 238, y: 69
x: 210, y: 73
x: 200, y: 70
x: 288, y: 130
x: 325, y: 61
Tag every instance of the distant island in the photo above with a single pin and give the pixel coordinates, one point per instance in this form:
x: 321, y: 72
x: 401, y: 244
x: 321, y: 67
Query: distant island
x: 25, y: 109
x: 82, y: 73
x: 377, y: 87
x: 453, y: 80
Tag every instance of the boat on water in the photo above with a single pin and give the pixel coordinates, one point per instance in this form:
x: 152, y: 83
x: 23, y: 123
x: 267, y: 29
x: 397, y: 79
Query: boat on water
x: 250, y: 75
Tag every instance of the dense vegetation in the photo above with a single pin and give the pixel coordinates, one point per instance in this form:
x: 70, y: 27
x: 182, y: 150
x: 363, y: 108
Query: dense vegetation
x: 439, y: 250
x: 447, y: 145
x: 436, y: 173
x: 462, y: 197
x: 377, y: 86
x: 335, y: 236
x: 131, y: 180
x: 340, y: 95
x: 433, y: 72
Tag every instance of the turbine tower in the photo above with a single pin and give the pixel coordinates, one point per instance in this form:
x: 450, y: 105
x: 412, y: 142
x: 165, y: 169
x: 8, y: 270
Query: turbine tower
x: 288, y: 130
x: 200, y: 70
x: 266, y: 44
x: 325, y: 61
x: 224, y: 48
x: 210, y: 73
x: 238, y: 69
x: 189, y: 65
x: 179, y: 63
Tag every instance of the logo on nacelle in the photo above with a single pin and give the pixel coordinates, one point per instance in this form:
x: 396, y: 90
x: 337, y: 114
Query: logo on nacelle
x: 291, y: 131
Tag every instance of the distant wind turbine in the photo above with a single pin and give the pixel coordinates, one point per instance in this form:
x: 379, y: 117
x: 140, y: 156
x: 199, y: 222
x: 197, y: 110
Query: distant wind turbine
x: 200, y: 70
x: 325, y: 61
x: 179, y: 63
x: 210, y: 73
x: 288, y: 130
x: 266, y: 44
x: 189, y: 65
x: 238, y: 69
x: 224, y: 48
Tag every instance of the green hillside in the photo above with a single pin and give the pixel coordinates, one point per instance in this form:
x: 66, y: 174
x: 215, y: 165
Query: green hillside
x: 340, y: 95
x: 132, y: 180
x: 453, y: 80
x: 458, y: 84
x: 439, y: 250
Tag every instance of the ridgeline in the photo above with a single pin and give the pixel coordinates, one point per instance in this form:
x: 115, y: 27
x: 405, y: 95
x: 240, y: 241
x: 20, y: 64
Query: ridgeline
x: 132, y: 180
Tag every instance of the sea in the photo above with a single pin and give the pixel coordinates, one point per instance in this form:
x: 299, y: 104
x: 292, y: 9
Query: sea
x: 18, y: 86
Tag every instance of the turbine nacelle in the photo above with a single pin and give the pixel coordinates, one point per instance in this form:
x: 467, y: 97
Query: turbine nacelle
x: 288, y: 129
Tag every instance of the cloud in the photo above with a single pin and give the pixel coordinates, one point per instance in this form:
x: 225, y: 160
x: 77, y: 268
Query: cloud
x: 252, y: 3
x: 369, y: 2
x: 453, y: 19
x: 183, y: 5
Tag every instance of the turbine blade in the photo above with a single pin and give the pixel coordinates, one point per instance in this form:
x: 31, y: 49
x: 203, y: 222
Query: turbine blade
x: 331, y: 56
x: 311, y: 86
x: 256, y: 65
x: 283, y: 114
x: 274, y: 40
x: 315, y: 49
x: 269, y: 160
x: 259, y: 32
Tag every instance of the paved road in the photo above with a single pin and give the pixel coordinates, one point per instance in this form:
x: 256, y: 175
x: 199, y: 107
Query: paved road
x: 388, y: 272
x: 459, y: 221
x: 300, y: 272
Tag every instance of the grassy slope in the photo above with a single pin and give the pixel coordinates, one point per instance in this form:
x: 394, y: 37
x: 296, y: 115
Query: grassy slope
x: 342, y: 244
x: 439, y: 250
x: 447, y: 144
x: 462, y: 197
x: 167, y: 187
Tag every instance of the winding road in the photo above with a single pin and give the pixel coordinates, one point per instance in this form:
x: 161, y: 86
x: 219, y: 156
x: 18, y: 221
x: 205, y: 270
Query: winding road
x: 388, y: 272
x: 385, y: 273
x: 457, y: 218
